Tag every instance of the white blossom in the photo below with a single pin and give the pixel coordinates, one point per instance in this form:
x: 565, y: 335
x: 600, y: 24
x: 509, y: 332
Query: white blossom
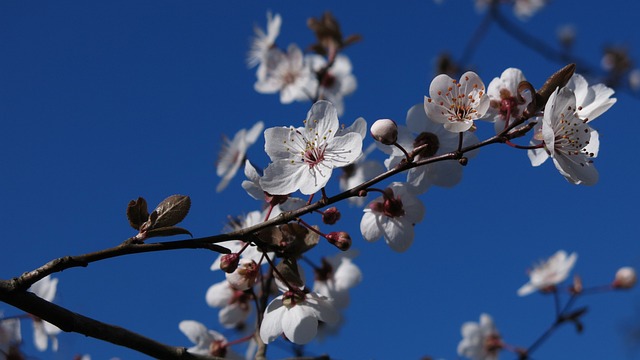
x: 567, y: 139
x: 456, y: 104
x: 296, y: 314
x: 480, y: 341
x: 235, y: 305
x: 304, y: 158
x: 549, y: 273
x: 207, y: 342
x: 420, y: 130
x: 10, y: 335
x: 337, y: 82
x: 503, y: 95
x: 43, y: 331
x: 233, y: 153
x: 336, y: 276
x: 262, y: 42
x: 289, y: 74
x: 393, y: 217
x: 590, y: 103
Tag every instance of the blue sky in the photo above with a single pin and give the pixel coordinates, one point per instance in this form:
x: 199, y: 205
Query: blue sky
x: 102, y: 102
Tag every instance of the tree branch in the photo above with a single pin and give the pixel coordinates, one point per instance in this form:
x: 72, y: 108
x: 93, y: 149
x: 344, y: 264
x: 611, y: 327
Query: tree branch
x: 72, y: 322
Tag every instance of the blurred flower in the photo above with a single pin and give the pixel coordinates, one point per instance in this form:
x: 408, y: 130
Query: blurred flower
x: 503, y: 93
x: 10, y: 337
x: 235, y: 305
x: 456, y: 104
x: 634, y: 79
x: 304, y: 158
x: 262, y: 42
x: 567, y: 139
x: 289, y: 74
x: 233, y: 153
x: 330, y: 39
x: 296, y: 314
x: 42, y: 330
x: 523, y: 9
x: 549, y: 273
x: 393, y: 217
x: 336, y: 276
x: 438, y: 141
x: 480, y: 341
x: 336, y: 82
x: 207, y: 342
x: 566, y: 35
x: 245, y: 275
x: 625, y: 278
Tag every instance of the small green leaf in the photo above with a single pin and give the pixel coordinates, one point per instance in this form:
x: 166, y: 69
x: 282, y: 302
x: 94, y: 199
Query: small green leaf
x: 137, y: 212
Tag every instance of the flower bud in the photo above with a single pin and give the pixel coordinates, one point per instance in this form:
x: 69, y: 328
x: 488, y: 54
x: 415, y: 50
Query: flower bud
x: 625, y: 278
x: 339, y: 239
x: 245, y: 276
x: 331, y: 216
x: 385, y: 131
x: 229, y: 262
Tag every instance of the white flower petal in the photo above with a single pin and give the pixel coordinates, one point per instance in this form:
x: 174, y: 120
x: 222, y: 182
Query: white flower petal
x: 299, y: 326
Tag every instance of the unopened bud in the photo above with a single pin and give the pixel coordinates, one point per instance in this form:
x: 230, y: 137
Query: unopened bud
x: 625, y: 278
x: 385, y: 131
x: 331, y: 216
x: 577, y: 285
x: 245, y: 275
x: 463, y: 161
x: 229, y: 262
x: 339, y: 239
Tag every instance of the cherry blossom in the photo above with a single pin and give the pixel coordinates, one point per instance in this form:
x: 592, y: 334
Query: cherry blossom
x: 592, y: 101
x: 549, y: 273
x: 337, y: 82
x: 567, y: 139
x: 233, y: 153
x: 480, y: 341
x: 439, y: 141
x: 336, y: 276
x: 245, y: 275
x: 43, y: 331
x: 207, y: 342
x: 304, y: 158
x: 235, y: 305
x: 289, y: 74
x: 393, y: 217
x: 262, y: 42
x: 456, y: 104
x: 10, y: 336
x: 503, y: 95
x: 296, y: 313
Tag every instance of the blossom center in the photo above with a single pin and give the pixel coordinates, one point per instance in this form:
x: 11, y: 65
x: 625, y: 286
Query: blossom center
x: 292, y: 298
x: 314, y: 154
